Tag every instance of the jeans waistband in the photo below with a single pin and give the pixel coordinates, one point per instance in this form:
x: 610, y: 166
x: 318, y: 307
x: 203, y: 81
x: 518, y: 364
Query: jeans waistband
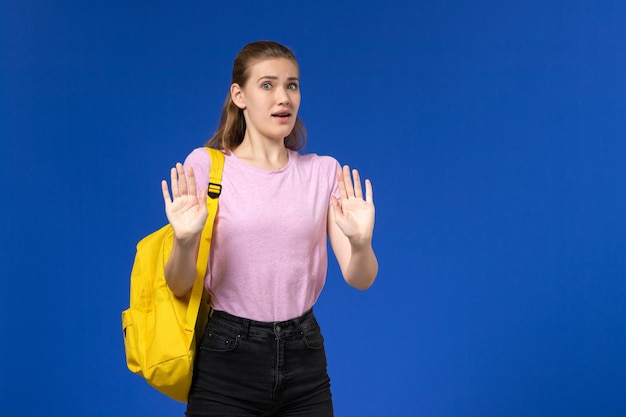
x: 278, y: 328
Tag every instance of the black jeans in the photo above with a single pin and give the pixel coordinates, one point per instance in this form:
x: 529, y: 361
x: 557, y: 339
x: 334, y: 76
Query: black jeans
x: 249, y: 368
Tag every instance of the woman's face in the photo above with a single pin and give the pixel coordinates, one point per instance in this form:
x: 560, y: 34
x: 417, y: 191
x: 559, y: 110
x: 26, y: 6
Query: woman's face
x: 270, y: 99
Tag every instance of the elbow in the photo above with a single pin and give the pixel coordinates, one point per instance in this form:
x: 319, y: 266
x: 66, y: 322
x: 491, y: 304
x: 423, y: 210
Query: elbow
x: 361, y: 282
x: 177, y: 289
x: 360, y: 269
x: 361, y: 286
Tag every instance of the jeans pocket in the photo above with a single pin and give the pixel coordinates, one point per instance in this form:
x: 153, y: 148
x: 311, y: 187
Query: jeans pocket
x: 313, y: 338
x: 218, y: 340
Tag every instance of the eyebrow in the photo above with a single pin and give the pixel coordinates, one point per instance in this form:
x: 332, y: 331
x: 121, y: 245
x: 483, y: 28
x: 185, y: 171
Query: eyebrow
x: 273, y: 77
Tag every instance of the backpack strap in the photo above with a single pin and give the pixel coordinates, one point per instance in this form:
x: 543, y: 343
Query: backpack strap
x: 214, y: 190
x: 215, y: 175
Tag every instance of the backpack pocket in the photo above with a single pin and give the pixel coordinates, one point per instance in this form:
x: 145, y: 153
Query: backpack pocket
x: 130, y: 341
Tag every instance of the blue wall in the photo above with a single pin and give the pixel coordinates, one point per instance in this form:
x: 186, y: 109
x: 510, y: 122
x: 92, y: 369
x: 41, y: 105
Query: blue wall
x: 493, y: 133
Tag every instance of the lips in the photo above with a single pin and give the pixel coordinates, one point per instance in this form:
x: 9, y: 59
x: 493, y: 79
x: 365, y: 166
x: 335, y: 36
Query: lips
x: 281, y: 114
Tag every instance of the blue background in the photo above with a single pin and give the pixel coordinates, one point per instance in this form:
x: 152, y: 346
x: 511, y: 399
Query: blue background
x: 493, y: 132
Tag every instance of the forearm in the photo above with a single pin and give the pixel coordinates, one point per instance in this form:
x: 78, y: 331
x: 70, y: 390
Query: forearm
x: 362, y: 268
x: 180, y: 269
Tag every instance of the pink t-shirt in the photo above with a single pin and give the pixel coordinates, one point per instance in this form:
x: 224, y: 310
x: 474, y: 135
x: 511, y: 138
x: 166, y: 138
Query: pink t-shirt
x: 268, y: 257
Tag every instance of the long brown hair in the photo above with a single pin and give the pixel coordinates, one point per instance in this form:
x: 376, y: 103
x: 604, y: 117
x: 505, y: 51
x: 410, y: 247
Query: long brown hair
x: 232, y: 125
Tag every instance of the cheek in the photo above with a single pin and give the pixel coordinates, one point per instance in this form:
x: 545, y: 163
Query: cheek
x: 295, y: 100
x: 260, y: 105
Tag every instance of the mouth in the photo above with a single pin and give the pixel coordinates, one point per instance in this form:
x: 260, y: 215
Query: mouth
x: 282, y: 115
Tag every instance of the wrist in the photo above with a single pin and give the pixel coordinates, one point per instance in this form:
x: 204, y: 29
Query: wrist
x: 187, y: 242
x: 359, y: 244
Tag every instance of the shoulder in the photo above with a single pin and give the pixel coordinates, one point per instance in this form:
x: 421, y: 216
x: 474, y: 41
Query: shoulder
x: 322, y: 170
x: 198, y: 157
x: 200, y: 161
x: 320, y: 161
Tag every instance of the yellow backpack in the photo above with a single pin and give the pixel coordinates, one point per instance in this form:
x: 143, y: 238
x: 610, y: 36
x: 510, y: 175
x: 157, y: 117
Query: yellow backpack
x: 159, y: 328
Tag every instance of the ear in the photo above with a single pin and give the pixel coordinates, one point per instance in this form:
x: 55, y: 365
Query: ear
x: 236, y: 94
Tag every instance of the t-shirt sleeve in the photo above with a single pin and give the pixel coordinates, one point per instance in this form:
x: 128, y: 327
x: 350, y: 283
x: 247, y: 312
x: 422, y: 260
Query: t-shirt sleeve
x: 200, y: 161
x: 334, y: 185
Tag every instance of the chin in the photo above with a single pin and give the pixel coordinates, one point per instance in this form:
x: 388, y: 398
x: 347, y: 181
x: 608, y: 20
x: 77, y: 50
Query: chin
x: 284, y: 134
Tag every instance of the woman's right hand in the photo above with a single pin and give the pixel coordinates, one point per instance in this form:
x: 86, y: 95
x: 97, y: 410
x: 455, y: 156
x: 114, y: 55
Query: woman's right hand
x: 185, y: 211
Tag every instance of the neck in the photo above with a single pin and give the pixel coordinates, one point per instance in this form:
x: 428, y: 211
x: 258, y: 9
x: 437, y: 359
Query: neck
x: 262, y: 153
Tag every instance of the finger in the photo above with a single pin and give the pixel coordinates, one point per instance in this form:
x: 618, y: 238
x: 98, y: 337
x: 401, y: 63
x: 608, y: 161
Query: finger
x: 166, y: 193
x: 369, y: 192
x: 336, y: 205
x: 174, y: 182
x: 348, y: 181
x: 182, y: 180
x: 358, y: 191
x: 192, y: 181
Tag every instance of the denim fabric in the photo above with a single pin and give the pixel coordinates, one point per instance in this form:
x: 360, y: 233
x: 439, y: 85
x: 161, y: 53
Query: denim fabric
x: 249, y: 368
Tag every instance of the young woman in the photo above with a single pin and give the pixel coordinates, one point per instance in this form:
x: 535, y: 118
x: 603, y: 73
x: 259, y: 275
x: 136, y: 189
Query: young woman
x: 262, y: 352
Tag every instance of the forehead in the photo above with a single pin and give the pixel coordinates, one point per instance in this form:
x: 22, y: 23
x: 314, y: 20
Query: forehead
x: 274, y: 67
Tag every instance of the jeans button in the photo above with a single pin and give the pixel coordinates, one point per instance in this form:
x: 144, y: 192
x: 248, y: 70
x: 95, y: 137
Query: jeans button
x: 277, y: 328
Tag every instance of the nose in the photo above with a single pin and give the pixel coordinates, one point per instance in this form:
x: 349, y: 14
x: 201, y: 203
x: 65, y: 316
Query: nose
x: 282, y: 96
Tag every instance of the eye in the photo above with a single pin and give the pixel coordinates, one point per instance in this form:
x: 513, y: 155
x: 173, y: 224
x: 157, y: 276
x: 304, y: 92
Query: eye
x: 292, y: 86
x: 266, y: 85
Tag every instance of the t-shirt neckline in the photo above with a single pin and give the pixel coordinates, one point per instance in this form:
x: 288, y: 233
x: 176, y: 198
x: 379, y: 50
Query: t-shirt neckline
x: 250, y: 168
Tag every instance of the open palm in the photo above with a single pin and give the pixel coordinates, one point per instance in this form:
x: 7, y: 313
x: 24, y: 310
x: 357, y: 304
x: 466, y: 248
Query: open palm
x: 186, y: 212
x: 354, y: 214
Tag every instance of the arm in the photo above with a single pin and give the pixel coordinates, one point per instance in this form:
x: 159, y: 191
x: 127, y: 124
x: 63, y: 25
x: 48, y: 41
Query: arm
x: 187, y: 214
x: 350, y: 230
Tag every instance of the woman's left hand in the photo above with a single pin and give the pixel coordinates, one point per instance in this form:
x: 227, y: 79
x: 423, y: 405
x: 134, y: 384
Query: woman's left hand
x: 354, y: 214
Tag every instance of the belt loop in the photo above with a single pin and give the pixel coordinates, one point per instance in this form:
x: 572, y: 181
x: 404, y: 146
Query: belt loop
x: 245, y: 328
x: 298, y: 324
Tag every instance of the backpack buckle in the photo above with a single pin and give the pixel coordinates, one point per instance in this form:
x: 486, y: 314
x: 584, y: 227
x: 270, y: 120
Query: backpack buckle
x: 214, y: 190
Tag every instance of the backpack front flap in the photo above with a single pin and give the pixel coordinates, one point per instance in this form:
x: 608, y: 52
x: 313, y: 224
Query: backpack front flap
x: 152, y: 303
x: 159, y: 327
